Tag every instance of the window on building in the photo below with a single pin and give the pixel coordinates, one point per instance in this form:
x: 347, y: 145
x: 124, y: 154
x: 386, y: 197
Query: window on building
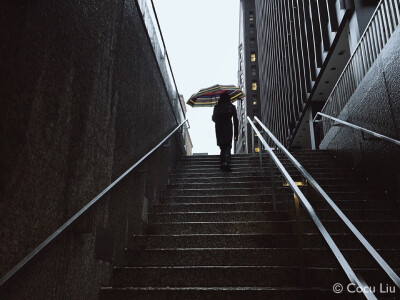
x: 242, y: 118
x: 256, y: 149
x: 254, y: 85
x: 242, y: 104
x: 251, y: 16
x: 242, y: 131
x: 254, y: 102
x: 252, y: 30
x: 241, y: 78
x: 241, y: 65
x: 252, y: 42
x: 253, y: 71
x: 253, y: 56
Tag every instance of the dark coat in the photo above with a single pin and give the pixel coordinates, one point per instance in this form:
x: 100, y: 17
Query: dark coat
x: 224, y: 111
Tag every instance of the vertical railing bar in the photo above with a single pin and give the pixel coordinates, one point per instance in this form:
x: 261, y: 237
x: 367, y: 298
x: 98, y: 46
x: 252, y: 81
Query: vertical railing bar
x: 359, y: 66
x: 373, y: 42
x: 391, y: 14
x: 385, y: 25
x: 371, y: 47
x: 349, y: 90
x: 260, y: 154
x: 340, y: 95
x: 396, y: 7
x: 381, y: 31
x: 271, y: 167
x: 375, y: 39
x: 252, y: 141
x: 364, y: 60
x: 378, y: 32
x: 393, y: 11
x: 366, y: 52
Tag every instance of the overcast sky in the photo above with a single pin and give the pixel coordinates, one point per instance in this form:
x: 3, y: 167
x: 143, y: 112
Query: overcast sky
x: 202, y: 41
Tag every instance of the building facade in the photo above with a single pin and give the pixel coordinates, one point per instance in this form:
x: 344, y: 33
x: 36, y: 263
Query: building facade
x: 247, y: 75
x: 303, y: 47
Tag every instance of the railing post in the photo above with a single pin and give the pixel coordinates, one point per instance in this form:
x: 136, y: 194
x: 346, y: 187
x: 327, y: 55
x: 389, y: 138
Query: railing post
x: 260, y: 153
x: 252, y: 140
x: 271, y: 167
x: 299, y: 233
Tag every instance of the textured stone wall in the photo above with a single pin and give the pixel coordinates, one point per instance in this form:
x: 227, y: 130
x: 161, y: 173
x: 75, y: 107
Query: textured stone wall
x: 81, y: 100
x: 376, y: 106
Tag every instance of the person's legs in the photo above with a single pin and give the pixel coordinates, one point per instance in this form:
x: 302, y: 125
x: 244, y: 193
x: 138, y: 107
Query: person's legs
x: 222, y: 155
x: 228, y: 154
x: 225, y: 157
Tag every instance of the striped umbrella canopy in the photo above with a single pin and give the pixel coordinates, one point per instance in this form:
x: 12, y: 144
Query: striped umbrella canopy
x: 209, y: 97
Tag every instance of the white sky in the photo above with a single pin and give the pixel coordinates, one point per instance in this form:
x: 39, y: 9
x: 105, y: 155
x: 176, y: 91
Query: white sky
x: 202, y: 41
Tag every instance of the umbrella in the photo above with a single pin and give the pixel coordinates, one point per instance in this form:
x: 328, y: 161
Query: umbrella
x: 209, y: 97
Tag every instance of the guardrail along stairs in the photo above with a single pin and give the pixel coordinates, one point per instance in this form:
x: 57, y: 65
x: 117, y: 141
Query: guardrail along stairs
x: 219, y: 235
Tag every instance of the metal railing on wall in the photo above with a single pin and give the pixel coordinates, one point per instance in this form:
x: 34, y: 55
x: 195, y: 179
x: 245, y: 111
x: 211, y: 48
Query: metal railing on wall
x: 377, y: 33
x: 152, y: 24
x: 50, y: 240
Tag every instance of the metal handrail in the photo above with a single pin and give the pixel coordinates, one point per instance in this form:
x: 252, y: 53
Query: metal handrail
x: 306, y: 204
x: 75, y: 217
x: 373, y: 133
x: 379, y: 259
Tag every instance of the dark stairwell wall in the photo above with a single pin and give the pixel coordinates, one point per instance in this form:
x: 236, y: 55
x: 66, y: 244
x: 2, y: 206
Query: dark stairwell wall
x: 81, y: 100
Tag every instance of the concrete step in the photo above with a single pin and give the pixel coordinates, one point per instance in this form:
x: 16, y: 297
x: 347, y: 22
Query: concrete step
x: 279, y: 185
x: 310, y: 153
x: 348, y: 203
x: 252, y: 169
x: 225, y: 191
x: 223, y: 179
x: 284, y: 201
x: 224, y: 276
x: 194, y: 207
x: 218, y: 216
x: 200, y: 293
x: 311, y: 257
x: 220, y: 227
x: 264, y: 215
x: 215, y: 199
x: 369, y: 226
x: 280, y: 191
x: 225, y: 184
x: 270, y: 240
x: 256, y: 172
x: 256, y: 163
x: 359, y: 214
x: 214, y: 241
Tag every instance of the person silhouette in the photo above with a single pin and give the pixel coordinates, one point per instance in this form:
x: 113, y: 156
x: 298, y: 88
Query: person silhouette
x: 222, y: 116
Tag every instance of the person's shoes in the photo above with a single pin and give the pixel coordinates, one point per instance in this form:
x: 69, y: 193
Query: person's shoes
x: 225, y: 166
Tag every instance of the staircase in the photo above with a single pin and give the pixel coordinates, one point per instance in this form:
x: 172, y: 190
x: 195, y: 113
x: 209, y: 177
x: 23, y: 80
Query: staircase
x: 215, y: 235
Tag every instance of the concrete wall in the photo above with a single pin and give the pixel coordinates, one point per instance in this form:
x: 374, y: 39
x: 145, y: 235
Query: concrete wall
x: 376, y: 106
x: 81, y: 100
